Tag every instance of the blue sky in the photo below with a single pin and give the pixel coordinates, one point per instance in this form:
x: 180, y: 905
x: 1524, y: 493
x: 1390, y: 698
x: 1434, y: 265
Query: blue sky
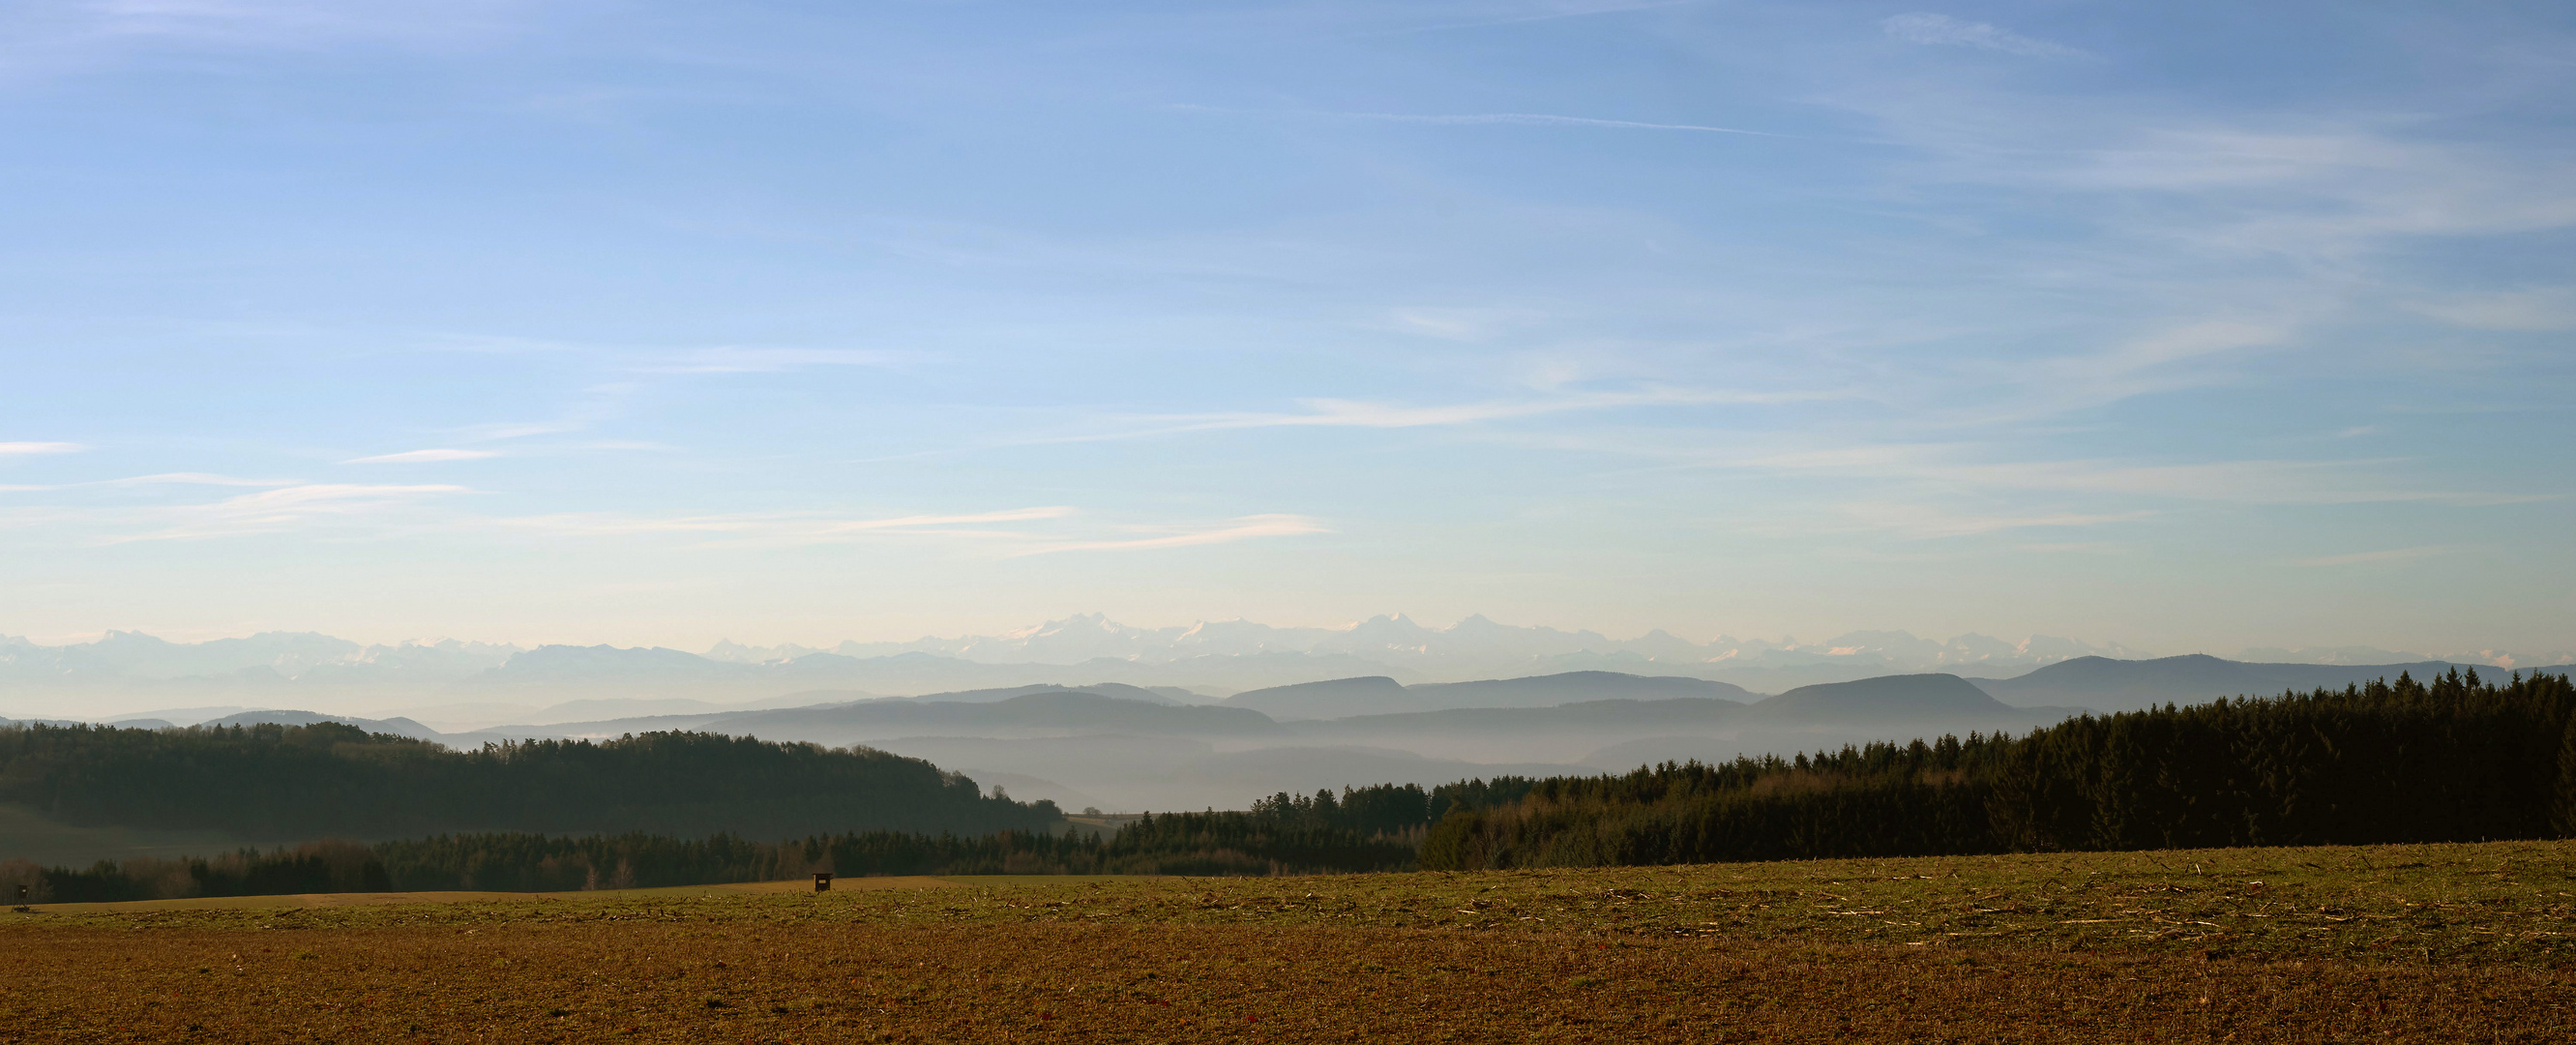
x: 2190, y: 326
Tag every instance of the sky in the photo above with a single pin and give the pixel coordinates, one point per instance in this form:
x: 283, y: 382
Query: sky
x: 2183, y: 325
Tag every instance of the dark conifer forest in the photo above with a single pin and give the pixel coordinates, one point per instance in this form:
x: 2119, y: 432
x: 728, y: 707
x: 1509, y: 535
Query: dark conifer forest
x: 1316, y: 834
x: 269, y: 781
x: 2460, y: 759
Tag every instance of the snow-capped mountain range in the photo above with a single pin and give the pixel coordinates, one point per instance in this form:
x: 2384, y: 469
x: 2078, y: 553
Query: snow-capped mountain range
x: 1398, y: 641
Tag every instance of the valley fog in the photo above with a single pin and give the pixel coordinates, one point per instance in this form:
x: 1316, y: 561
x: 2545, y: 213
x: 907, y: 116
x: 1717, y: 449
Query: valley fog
x: 1130, y: 739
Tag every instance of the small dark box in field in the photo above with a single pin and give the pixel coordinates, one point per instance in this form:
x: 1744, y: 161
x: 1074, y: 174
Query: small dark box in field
x: 822, y: 882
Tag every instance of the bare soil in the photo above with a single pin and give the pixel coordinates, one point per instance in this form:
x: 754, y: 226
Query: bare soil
x: 2421, y: 943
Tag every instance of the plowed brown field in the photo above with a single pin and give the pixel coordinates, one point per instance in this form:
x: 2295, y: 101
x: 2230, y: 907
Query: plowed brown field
x: 2425, y: 944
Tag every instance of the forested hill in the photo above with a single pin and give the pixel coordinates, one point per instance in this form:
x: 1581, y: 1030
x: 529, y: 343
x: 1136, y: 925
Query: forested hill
x: 2460, y: 759
x: 330, y: 779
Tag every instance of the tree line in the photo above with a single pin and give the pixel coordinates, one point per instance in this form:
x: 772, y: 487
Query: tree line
x: 1363, y: 829
x: 273, y: 781
x: 2458, y: 759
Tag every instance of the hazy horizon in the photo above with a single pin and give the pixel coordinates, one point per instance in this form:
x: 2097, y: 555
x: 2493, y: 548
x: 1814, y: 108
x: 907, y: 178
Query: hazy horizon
x: 1085, y: 711
x: 322, y: 671
x: 1820, y: 642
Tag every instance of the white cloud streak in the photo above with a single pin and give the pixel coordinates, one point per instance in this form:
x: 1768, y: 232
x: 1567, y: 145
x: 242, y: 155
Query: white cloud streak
x: 1954, y: 467
x: 597, y: 403
x: 161, y: 479
x: 269, y: 511
x: 2388, y: 555
x: 1941, y: 29
x: 31, y: 449
x: 986, y: 532
x: 501, y: 430
x: 771, y: 527
x: 1347, y: 413
x: 1241, y: 529
x: 2239, y: 482
x: 1925, y: 521
x: 1516, y: 14
x: 425, y: 456
x: 193, y: 479
x: 2172, y: 359
x: 1552, y: 120
x: 2329, y: 192
x: 2547, y: 309
x: 291, y: 23
x: 728, y: 360
x: 40, y: 38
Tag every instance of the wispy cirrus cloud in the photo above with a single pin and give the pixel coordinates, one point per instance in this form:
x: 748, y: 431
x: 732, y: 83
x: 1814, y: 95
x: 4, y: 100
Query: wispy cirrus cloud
x: 1245, y: 528
x: 499, y: 430
x: 1924, y: 27
x: 2385, y: 555
x: 1471, y: 119
x: 1351, y: 413
x: 730, y: 360
x: 1461, y: 324
x: 1927, y: 521
x: 1974, y: 466
x: 2543, y: 309
x: 159, y: 479
x: 58, y: 37
x: 284, y: 23
x: 431, y: 455
x: 2310, y: 188
x: 773, y: 527
x: 31, y: 449
x: 596, y: 403
x: 639, y: 369
x: 372, y: 510
x: 1481, y: 15
x: 2241, y: 481
x: 192, y: 479
x: 284, y: 508
x: 1533, y: 119
x: 2194, y: 354
x: 996, y: 533
x: 296, y: 506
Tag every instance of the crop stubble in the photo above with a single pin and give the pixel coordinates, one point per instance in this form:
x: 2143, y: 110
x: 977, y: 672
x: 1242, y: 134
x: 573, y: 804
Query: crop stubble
x: 2416, y: 943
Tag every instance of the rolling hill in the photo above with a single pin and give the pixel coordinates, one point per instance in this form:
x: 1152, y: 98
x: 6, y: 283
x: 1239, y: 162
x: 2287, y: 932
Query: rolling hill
x: 1377, y: 695
x: 2103, y: 684
x: 1890, y: 698
x: 1056, y: 711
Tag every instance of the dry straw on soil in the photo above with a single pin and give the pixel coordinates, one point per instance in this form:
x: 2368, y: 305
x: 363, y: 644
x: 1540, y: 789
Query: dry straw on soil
x: 2431, y: 943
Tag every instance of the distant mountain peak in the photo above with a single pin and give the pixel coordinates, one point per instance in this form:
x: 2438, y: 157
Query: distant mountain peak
x: 130, y: 670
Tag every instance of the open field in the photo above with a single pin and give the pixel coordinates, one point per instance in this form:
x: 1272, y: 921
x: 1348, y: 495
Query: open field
x: 310, y: 900
x: 2394, y: 943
